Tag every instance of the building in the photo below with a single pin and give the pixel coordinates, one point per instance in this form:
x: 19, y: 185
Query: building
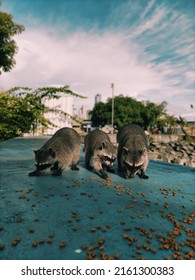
x: 65, y: 104
x: 98, y: 98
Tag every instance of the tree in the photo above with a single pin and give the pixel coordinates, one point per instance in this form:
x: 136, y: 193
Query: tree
x: 8, y: 47
x: 22, y: 110
x: 126, y: 110
x: 153, y: 115
x: 129, y: 110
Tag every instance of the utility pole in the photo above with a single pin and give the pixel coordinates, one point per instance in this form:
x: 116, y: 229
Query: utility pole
x: 112, y: 86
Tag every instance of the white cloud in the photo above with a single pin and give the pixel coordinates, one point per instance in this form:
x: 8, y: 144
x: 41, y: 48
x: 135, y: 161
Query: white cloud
x: 149, y: 24
x: 147, y: 9
x: 87, y: 62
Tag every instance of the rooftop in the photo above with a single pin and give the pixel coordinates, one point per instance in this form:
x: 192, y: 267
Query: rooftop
x: 81, y: 216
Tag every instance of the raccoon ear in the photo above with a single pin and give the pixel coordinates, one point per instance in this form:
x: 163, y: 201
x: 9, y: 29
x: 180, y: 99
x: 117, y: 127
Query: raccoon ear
x: 125, y: 150
x: 35, y: 151
x: 51, y: 152
x: 103, y: 145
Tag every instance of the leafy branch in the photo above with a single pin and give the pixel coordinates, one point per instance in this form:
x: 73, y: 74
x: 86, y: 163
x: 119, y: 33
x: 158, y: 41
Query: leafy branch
x: 23, y: 109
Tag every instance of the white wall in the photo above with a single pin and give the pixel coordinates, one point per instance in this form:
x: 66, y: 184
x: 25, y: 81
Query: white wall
x: 64, y: 103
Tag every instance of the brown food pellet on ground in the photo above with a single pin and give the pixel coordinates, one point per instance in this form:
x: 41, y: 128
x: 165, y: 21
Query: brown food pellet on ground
x: 91, y: 218
x: 62, y: 244
x: 109, y: 179
x: 153, y: 250
x: 108, y: 226
x: 127, y: 229
x: 17, y: 239
x: 90, y: 248
x: 2, y: 246
x: 93, y: 229
x: 101, y: 240
x: 31, y: 230
x: 34, y: 244
x: 98, y: 227
x: 176, y: 231
x: 14, y: 243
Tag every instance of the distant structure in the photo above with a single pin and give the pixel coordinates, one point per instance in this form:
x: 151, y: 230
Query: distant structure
x: 98, y: 98
x: 65, y: 104
x: 83, y: 113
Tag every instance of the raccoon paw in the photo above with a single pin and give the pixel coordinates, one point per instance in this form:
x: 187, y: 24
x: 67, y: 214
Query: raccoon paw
x: 111, y: 170
x: 126, y: 176
x: 74, y: 167
x: 34, y: 173
x: 89, y: 167
x: 103, y: 174
x: 143, y: 176
x: 57, y: 172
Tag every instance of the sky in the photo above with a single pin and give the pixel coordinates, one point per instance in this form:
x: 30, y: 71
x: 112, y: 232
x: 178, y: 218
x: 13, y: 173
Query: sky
x: 145, y: 47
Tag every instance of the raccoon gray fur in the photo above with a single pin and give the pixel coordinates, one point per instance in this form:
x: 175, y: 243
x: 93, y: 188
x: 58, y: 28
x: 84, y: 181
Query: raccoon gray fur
x: 59, y: 152
x: 132, y: 153
x: 97, y: 144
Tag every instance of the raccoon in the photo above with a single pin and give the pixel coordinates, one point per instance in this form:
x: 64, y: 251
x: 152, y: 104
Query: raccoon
x: 97, y: 144
x: 59, y: 152
x: 132, y: 153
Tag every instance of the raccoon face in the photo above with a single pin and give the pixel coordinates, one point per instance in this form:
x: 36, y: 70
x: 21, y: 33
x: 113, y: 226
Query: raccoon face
x: 107, y: 153
x: 45, y: 156
x: 133, y: 160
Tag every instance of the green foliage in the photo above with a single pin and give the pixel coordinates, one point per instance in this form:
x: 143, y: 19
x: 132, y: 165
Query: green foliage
x: 153, y: 115
x: 129, y: 110
x: 22, y: 110
x: 123, y: 112
x: 126, y: 110
x: 8, y: 47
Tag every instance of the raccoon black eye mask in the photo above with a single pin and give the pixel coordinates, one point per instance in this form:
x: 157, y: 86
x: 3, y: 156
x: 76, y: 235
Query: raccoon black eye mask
x: 106, y: 158
x: 39, y: 167
x: 132, y: 167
